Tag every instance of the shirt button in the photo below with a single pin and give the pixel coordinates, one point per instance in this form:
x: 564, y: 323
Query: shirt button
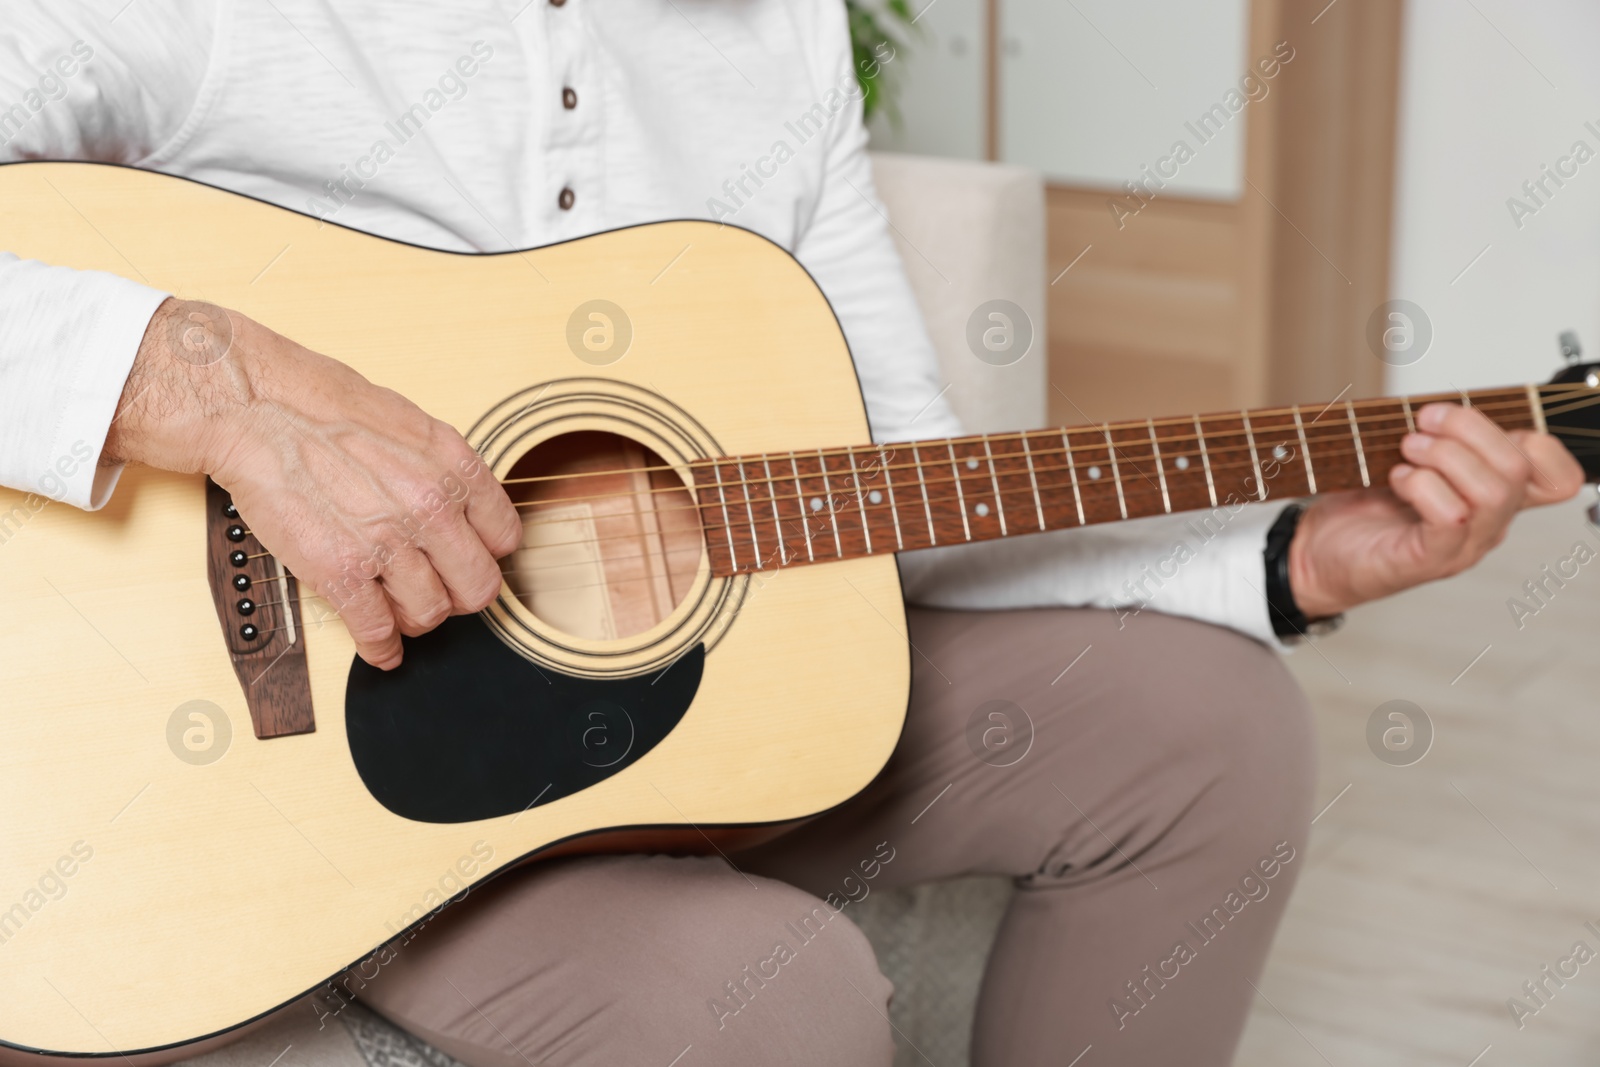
x: 569, y: 99
x: 565, y: 199
x: 557, y: 3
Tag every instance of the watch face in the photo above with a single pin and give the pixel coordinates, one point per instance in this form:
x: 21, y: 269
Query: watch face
x: 1319, y: 627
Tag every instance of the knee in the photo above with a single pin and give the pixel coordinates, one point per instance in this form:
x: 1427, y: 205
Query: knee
x: 1239, y: 724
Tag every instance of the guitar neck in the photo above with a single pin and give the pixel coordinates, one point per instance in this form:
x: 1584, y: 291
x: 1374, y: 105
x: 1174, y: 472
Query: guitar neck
x: 792, y: 508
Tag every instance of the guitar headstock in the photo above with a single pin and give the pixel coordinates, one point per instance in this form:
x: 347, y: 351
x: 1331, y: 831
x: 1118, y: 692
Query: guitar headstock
x: 1572, y: 409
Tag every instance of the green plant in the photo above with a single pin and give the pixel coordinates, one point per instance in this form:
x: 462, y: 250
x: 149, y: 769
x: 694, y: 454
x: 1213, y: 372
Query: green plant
x: 876, y: 48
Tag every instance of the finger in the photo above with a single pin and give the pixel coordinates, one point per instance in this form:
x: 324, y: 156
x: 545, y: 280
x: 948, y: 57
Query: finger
x: 1491, y: 495
x: 468, y: 571
x: 1557, y: 475
x: 1473, y: 428
x: 1444, y: 514
x: 369, y: 617
x: 488, y: 509
x: 413, y: 587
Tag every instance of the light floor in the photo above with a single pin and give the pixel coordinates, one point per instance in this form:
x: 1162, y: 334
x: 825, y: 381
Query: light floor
x: 1432, y: 892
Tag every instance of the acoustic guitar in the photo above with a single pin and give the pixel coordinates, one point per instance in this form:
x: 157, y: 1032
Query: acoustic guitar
x: 209, y: 805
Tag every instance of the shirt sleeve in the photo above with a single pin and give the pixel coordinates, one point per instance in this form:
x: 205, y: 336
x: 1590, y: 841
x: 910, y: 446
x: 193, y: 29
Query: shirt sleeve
x: 91, y: 83
x: 1205, y: 566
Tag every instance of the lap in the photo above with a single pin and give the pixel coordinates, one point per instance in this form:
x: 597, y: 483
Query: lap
x: 633, y: 959
x: 1115, y: 746
x: 1034, y: 737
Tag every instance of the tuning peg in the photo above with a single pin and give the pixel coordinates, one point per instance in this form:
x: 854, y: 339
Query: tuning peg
x: 1571, y: 350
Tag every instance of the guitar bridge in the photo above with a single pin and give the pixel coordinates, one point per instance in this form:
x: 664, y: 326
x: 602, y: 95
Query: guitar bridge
x: 258, y: 604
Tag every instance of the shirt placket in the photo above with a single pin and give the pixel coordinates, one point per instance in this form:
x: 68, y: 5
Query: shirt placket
x: 572, y: 150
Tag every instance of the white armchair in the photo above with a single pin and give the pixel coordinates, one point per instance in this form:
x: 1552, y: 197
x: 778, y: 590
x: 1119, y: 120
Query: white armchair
x: 970, y: 233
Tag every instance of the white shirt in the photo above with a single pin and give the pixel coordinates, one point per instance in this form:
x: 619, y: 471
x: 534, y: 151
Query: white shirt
x: 446, y: 125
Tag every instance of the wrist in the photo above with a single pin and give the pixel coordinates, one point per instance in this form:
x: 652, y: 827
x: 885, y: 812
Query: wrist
x: 1310, y: 590
x: 1284, y: 555
x: 191, y: 391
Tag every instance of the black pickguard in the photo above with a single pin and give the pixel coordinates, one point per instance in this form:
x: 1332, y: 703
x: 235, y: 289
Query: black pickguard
x: 467, y: 729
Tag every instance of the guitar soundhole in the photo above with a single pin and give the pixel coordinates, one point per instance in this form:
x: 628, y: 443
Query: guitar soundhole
x: 611, y: 538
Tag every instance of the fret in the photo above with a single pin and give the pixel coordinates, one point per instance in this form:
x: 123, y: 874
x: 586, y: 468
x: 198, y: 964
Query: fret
x: 1278, y: 435
x: 927, y: 509
x: 1411, y: 423
x: 961, y: 497
x: 1155, y: 449
x: 1205, y: 459
x: 994, y: 480
x: 1536, y: 409
x: 1094, y: 462
x: 1181, y: 481
x: 727, y: 520
x: 1116, y: 475
x: 777, y: 519
x: 980, y: 473
x: 1382, y: 426
x: 750, y: 514
x: 1072, y: 469
x: 827, y: 494
x: 1033, y: 480
x: 1255, y: 458
x: 1305, y: 451
x: 861, y: 500
x: 894, y: 508
x: 1466, y: 401
x: 800, y: 503
x: 1230, y: 460
x: 1138, y: 471
x: 1361, y: 453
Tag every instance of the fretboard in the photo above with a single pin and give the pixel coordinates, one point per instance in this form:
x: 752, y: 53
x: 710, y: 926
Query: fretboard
x: 785, y: 509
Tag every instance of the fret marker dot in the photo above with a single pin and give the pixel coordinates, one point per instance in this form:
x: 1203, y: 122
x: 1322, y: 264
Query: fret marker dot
x: 972, y: 464
x: 1094, y: 473
x: 1279, y: 452
x: 816, y: 503
x: 875, y: 496
x: 1182, y: 463
x: 982, y: 510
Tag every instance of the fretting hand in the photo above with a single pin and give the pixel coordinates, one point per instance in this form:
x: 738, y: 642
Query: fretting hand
x: 1447, y: 505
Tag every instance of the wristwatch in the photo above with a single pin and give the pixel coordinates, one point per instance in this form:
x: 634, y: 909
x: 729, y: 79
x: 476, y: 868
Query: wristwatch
x: 1288, y: 621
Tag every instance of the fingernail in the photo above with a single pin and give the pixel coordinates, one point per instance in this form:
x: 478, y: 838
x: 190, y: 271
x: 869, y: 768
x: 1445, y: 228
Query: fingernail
x: 1401, y: 470
x: 1431, y: 416
x: 1420, y: 442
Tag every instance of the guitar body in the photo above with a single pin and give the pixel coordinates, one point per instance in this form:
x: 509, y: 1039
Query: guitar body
x: 167, y: 875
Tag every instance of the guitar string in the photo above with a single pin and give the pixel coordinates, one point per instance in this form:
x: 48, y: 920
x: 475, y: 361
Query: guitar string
x: 857, y: 452
x: 1340, y: 454
x: 867, y: 451
x: 1101, y: 490
x: 704, y: 546
x: 1345, y: 451
x: 1376, y: 439
x: 1214, y: 443
x: 1520, y: 399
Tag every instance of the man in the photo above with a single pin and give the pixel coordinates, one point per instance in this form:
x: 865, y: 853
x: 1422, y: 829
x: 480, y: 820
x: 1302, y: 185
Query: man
x: 1170, y: 773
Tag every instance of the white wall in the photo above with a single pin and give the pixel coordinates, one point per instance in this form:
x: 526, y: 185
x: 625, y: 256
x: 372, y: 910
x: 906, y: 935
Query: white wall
x: 1486, y: 100
x: 940, y: 74
x: 1090, y: 91
x: 1094, y: 90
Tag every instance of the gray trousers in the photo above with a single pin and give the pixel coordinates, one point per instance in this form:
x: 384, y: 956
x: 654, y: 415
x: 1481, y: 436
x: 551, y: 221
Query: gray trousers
x: 1151, y: 804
